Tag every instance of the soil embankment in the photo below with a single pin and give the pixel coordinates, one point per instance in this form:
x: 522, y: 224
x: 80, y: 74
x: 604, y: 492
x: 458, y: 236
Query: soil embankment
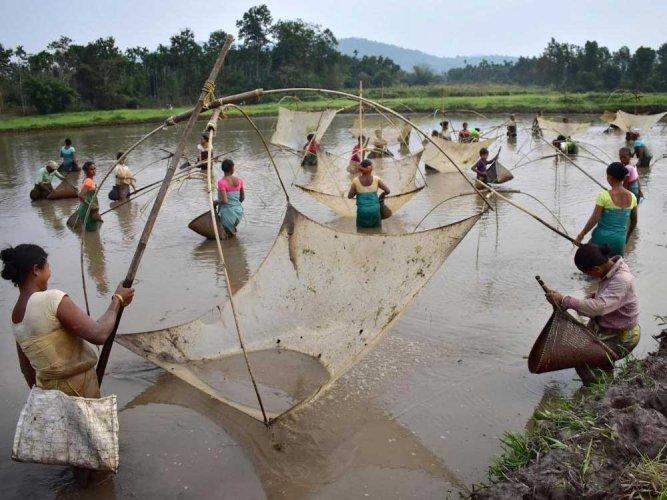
x: 609, y: 443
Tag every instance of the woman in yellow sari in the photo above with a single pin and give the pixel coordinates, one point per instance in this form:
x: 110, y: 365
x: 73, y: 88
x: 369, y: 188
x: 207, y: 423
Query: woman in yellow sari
x: 52, y: 333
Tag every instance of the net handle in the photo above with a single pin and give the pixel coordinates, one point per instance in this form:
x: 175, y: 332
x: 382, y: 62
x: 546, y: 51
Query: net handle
x: 544, y: 287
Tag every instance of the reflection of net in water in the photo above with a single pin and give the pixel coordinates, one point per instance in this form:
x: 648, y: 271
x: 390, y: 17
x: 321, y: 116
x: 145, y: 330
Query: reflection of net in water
x: 464, y: 154
x: 321, y: 293
x: 293, y: 127
x: 331, y: 182
x: 626, y: 121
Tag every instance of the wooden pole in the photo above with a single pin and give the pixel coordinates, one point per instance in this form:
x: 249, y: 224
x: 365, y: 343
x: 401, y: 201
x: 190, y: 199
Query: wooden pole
x: 150, y: 223
x: 361, y: 121
x: 251, y: 94
x: 559, y: 152
x: 212, y: 126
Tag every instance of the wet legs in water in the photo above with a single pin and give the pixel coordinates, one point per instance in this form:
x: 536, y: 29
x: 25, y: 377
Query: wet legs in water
x: 591, y: 375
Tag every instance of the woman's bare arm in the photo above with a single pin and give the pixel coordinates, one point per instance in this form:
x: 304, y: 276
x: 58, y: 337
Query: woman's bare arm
x: 222, y: 196
x: 242, y: 195
x: 592, y: 222
x: 78, y: 323
x: 385, y: 189
x: 26, y: 368
x: 352, y: 192
x: 633, y: 221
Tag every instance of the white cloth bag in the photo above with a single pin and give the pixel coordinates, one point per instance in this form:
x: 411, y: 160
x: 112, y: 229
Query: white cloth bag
x: 58, y: 429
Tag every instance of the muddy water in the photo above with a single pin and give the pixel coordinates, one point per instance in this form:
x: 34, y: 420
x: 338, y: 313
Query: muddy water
x: 418, y: 417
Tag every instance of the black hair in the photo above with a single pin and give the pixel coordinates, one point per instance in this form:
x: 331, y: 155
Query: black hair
x: 310, y: 137
x: 204, y: 136
x: 19, y: 261
x: 227, y: 165
x: 465, y: 124
x: 68, y: 142
x: 366, y: 163
x: 625, y: 150
x: 561, y: 137
x: 483, y: 151
x: 591, y: 255
x: 119, y: 154
x: 617, y: 170
x: 435, y: 133
x: 87, y: 165
x: 444, y: 123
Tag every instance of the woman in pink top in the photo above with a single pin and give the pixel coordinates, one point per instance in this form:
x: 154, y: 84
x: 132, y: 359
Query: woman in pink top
x: 231, y: 194
x: 631, y: 181
x: 613, y: 309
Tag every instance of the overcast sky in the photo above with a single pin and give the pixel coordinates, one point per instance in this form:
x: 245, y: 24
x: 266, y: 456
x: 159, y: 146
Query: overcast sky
x: 444, y: 28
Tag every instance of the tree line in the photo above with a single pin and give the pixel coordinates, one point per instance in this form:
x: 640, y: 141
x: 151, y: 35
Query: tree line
x: 283, y: 53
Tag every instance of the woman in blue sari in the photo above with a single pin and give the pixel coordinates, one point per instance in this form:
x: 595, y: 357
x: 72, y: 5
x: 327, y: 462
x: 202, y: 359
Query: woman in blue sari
x: 231, y: 194
x: 365, y: 188
x: 615, y: 214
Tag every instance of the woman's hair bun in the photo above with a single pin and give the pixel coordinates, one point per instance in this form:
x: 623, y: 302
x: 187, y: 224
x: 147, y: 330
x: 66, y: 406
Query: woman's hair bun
x: 605, y: 249
x: 20, y: 260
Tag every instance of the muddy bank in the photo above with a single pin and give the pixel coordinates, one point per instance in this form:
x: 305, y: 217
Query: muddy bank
x: 611, y: 441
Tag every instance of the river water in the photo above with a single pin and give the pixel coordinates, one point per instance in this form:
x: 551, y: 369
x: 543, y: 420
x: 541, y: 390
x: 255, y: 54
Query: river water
x: 419, y: 416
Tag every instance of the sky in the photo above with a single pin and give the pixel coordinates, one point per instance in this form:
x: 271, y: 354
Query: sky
x: 443, y: 28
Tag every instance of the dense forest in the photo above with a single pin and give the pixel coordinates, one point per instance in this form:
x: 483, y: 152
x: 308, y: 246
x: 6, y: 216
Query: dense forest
x: 269, y: 53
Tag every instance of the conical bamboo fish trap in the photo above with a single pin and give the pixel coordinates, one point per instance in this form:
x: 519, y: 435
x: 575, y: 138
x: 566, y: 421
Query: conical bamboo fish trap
x: 203, y: 225
x: 567, y: 343
x: 63, y: 191
x: 498, y: 174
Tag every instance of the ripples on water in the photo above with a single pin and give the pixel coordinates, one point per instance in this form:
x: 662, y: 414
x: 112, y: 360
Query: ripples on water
x: 450, y: 377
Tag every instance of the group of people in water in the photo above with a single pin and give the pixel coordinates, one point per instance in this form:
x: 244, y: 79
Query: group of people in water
x: 52, y: 333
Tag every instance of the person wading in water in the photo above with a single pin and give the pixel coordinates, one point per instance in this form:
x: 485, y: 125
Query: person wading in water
x: 365, y: 188
x: 613, y: 309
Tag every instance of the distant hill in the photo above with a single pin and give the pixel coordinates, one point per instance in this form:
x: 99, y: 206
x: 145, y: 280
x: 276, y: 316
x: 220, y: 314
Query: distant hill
x: 407, y: 58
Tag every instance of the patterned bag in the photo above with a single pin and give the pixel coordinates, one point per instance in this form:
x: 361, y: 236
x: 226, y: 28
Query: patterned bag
x: 58, y: 429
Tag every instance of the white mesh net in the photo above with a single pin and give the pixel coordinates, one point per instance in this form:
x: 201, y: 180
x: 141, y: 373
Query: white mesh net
x: 293, y: 127
x: 465, y: 154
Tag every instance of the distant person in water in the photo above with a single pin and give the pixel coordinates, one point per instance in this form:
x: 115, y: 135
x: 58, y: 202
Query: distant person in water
x: 88, y: 198
x: 615, y: 215
x: 202, y: 152
x: 511, y: 128
x: 613, y: 308
x: 642, y: 153
x: 310, y: 149
x: 380, y: 147
x: 70, y: 162
x: 631, y: 181
x: 357, y: 155
x: 231, y: 195
x: 444, y: 131
x: 365, y: 189
x: 52, y: 333
x: 537, y: 130
x: 464, y: 133
x: 475, y: 134
x: 124, y: 179
x: 45, y: 175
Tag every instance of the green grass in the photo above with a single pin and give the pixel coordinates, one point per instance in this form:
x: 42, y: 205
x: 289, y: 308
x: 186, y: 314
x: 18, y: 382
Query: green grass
x: 480, y: 98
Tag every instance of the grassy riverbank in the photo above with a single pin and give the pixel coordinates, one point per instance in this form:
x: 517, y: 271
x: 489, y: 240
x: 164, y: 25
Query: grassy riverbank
x: 609, y: 442
x: 483, y: 99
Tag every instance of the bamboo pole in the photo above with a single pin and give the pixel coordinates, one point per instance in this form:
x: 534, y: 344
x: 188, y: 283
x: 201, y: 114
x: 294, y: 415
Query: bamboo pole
x: 211, y: 127
x: 559, y: 152
x: 250, y: 94
x: 207, y: 89
x: 361, y: 121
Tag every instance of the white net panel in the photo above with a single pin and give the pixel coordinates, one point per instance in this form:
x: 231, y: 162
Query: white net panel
x: 465, y: 154
x: 626, y: 121
x: 293, y: 126
x: 304, y: 314
x: 331, y: 182
x: 394, y: 132
x: 568, y: 129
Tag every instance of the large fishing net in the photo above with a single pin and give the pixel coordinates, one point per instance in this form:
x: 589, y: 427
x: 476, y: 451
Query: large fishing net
x: 375, y: 128
x: 331, y: 182
x: 320, y: 300
x: 464, y: 154
x: 293, y: 127
x: 568, y: 129
x: 627, y: 121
